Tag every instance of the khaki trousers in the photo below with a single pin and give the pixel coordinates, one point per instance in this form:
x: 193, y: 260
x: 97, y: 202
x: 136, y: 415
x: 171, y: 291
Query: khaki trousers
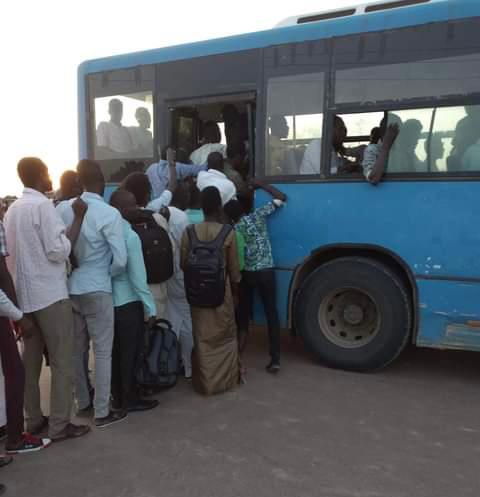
x: 55, y: 324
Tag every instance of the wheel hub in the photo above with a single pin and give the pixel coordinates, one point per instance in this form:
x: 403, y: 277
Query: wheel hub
x: 353, y: 314
x: 349, y: 317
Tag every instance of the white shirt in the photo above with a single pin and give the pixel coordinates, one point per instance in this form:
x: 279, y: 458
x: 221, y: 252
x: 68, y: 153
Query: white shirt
x: 200, y: 155
x: 215, y: 178
x: 114, y: 137
x: 311, y: 159
x: 142, y: 140
x: 8, y: 309
x: 177, y: 223
x: 39, y: 250
x: 162, y: 201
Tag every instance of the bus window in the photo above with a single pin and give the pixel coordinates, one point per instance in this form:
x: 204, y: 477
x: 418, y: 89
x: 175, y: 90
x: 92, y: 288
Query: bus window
x: 124, y: 126
x: 437, y: 140
x: 294, y: 120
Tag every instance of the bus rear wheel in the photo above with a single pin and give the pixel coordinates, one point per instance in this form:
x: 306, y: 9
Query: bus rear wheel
x: 354, y: 313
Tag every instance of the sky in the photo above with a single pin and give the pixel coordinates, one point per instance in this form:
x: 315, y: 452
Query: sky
x: 42, y: 44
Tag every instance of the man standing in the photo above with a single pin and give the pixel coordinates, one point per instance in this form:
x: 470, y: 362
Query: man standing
x: 133, y: 300
x: 101, y: 255
x: 215, y: 176
x: 259, y: 273
x: 39, y: 249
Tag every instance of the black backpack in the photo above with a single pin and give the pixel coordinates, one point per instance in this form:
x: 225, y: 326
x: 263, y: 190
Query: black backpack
x: 204, y: 273
x: 156, y: 246
x: 158, y: 361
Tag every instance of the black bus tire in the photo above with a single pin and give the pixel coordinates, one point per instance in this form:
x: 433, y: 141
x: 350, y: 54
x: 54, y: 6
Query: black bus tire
x: 354, y: 313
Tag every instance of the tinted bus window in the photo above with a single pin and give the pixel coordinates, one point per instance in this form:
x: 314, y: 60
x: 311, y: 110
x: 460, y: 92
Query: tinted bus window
x: 294, y: 120
x: 430, y: 140
x: 124, y: 126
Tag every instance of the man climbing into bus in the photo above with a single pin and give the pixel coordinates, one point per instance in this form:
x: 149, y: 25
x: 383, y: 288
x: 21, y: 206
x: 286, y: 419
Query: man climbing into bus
x: 259, y: 273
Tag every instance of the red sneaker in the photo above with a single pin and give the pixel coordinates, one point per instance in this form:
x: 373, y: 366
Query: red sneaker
x: 28, y: 444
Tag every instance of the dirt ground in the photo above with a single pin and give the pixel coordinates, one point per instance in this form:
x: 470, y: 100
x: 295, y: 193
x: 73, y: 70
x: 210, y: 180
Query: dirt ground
x: 411, y: 430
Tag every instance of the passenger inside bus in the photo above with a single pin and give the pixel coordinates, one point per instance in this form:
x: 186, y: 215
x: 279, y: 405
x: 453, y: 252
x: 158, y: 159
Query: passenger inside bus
x: 376, y: 154
x: 113, y: 139
x: 141, y: 135
x: 467, y: 133
x: 236, y: 166
x: 210, y: 143
x: 403, y: 157
x: 435, y: 150
x: 339, y: 164
x: 236, y: 125
x: 279, y: 161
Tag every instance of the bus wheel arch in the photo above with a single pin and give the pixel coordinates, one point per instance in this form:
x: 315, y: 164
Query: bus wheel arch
x: 389, y: 271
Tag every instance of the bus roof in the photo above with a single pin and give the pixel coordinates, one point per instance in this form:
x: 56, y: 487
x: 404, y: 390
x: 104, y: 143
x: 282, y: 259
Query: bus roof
x: 422, y: 13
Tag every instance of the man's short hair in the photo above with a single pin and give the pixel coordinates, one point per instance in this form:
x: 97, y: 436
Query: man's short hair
x: 30, y: 169
x: 215, y: 161
x: 211, y: 201
x: 138, y: 184
x: 68, y: 179
x: 89, y: 173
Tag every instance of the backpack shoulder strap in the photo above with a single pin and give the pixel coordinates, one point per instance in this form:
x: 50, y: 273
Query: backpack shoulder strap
x: 221, y: 237
x: 192, y: 237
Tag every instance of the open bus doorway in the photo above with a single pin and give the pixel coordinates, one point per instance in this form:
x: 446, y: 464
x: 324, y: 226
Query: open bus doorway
x: 234, y: 115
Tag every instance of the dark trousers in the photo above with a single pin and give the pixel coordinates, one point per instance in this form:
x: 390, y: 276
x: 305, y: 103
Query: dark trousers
x: 14, y: 382
x: 264, y: 282
x: 127, y: 339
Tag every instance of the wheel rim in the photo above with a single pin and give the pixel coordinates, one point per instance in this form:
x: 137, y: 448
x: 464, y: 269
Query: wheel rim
x: 349, y: 318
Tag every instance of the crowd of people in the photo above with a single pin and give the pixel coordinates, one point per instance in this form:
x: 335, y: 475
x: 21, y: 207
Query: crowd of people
x: 76, y: 283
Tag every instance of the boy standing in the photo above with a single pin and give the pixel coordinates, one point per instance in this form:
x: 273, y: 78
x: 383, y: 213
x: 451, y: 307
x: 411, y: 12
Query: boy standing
x: 259, y: 273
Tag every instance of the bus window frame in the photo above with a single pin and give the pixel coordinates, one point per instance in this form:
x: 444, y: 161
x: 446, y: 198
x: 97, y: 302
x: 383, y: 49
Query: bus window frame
x: 90, y: 121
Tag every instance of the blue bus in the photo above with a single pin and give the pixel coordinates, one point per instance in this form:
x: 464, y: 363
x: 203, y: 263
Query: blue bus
x: 361, y: 270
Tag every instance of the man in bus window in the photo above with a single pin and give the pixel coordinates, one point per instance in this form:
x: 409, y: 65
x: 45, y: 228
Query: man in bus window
x: 403, y: 156
x: 113, y: 139
x: 277, y: 163
x: 141, y: 135
x: 338, y: 161
x: 376, y: 154
x: 467, y: 133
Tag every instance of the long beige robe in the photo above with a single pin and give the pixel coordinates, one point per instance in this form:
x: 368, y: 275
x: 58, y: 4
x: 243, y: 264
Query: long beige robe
x: 215, y: 364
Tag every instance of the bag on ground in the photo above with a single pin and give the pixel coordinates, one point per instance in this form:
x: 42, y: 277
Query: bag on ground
x: 204, y: 273
x: 158, y: 361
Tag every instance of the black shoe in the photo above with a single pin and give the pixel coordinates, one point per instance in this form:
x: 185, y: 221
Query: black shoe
x: 112, y: 418
x: 41, y: 428
x: 142, y: 405
x: 3, y: 488
x: 3, y: 433
x: 273, y: 367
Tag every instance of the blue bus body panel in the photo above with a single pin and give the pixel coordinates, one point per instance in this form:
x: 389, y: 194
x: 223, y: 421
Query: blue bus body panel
x: 416, y: 221
x: 447, y: 310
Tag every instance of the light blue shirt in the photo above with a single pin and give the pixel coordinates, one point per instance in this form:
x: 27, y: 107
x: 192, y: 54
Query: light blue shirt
x: 131, y: 285
x: 100, y: 249
x: 158, y: 174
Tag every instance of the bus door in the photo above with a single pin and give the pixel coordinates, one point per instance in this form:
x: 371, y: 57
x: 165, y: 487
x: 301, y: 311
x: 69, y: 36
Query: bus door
x: 234, y: 114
